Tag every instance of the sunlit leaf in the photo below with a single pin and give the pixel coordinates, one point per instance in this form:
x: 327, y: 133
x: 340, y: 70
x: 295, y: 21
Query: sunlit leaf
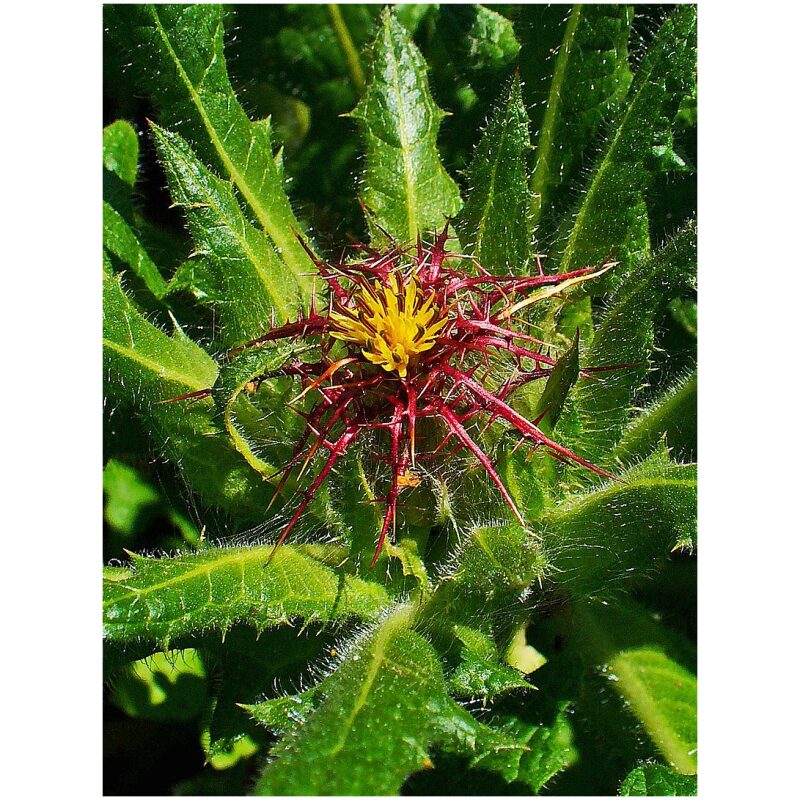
x: 374, y: 726
x: 656, y: 780
x: 183, y: 68
x: 250, y: 284
x: 404, y: 184
x: 214, y: 588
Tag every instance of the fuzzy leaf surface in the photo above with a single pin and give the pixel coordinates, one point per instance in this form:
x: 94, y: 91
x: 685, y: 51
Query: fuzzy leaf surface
x: 145, y: 366
x: 546, y: 748
x: 611, y: 220
x: 527, y: 739
x: 405, y: 186
x: 590, y: 78
x: 179, y: 59
x: 250, y: 282
x: 249, y: 425
x: 213, y: 589
x: 625, y: 336
x: 674, y: 414
x: 480, y: 672
x: 374, y: 725
x: 596, y: 540
x: 494, y: 224
x: 656, y: 780
x: 559, y: 383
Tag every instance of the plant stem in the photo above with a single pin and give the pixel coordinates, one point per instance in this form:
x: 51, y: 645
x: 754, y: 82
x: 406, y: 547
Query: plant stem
x: 348, y: 48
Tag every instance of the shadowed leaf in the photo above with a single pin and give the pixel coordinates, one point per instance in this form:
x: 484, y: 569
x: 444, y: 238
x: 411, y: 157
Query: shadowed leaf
x: 625, y: 336
x: 673, y: 415
x: 640, y: 661
x: 611, y: 220
x: 595, y: 541
x: 590, y: 78
x: 494, y: 224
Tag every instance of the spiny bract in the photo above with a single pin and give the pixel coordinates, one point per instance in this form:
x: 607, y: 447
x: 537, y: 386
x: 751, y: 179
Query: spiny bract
x: 408, y: 335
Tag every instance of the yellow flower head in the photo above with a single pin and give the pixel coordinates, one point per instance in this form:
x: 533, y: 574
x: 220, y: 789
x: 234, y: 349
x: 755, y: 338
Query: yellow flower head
x: 392, y: 324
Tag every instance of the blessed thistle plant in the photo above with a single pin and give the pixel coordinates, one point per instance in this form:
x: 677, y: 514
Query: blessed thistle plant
x: 398, y: 484
x: 412, y: 325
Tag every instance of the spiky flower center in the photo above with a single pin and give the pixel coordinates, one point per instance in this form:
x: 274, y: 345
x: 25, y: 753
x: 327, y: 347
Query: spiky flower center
x: 392, y: 324
x: 424, y: 339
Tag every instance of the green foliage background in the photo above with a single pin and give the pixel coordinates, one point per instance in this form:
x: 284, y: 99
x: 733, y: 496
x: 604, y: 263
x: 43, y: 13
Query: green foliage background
x: 479, y: 656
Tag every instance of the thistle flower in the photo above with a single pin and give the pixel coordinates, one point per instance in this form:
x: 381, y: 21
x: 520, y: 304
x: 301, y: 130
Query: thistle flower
x: 408, y: 335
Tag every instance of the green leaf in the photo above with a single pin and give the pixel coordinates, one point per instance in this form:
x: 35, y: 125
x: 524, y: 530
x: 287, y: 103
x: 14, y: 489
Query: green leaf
x: 347, y: 46
x: 120, y: 165
x: 411, y: 15
x: 121, y: 151
x: 120, y: 240
x: 405, y: 185
x: 455, y: 730
x: 611, y: 220
x: 213, y: 589
x: 526, y: 739
x: 590, y: 79
x: 498, y: 559
x: 523, y: 478
x: 494, y: 224
x: 322, y: 43
x: 479, y: 671
x: 656, y: 780
x: 481, y: 39
x: 494, y: 567
x: 595, y: 540
x: 120, y: 237
x: 559, y: 382
x: 178, y: 56
x: 459, y: 733
x: 128, y: 496
x: 246, y: 423
x: 540, y: 28
x: 374, y: 725
x: 685, y: 313
x: 625, y: 336
x: 164, y: 686
x: 673, y: 415
x: 131, y: 502
x: 251, y: 286
x: 547, y: 747
x: 144, y: 367
x: 640, y: 661
x: 284, y: 714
